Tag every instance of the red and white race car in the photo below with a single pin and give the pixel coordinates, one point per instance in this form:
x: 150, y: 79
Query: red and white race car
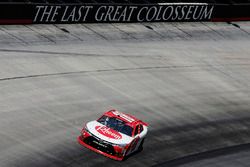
x: 115, y: 135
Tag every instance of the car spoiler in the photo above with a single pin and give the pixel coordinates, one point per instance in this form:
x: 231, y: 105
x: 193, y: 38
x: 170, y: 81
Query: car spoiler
x: 144, y: 123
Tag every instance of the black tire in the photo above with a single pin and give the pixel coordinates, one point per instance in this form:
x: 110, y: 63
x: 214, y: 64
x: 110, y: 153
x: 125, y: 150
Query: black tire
x: 141, y: 146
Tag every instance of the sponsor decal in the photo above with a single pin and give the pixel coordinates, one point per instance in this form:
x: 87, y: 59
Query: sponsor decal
x: 108, y: 132
x: 100, y: 144
x: 122, y: 13
x: 126, y: 117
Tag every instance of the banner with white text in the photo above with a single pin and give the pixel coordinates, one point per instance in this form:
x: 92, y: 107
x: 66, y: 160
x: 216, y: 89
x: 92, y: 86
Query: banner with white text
x: 122, y: 13
x: 101, y: 13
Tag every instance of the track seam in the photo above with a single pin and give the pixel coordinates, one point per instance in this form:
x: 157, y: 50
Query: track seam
x: 204, y: 155
x: 110, y: 70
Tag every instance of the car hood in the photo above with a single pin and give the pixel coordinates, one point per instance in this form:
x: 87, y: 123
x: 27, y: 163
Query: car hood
x: 105, y: 133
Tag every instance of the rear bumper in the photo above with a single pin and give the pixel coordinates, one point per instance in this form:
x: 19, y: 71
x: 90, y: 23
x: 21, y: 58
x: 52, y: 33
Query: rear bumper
x: 80, y: 141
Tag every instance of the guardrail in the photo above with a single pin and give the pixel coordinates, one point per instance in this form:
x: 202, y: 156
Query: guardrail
x: 94, y: 13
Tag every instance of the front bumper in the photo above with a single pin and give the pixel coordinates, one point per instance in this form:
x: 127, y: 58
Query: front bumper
x: 115, y: 157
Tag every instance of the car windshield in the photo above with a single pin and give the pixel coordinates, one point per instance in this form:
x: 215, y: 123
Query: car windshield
x: 116, y: 124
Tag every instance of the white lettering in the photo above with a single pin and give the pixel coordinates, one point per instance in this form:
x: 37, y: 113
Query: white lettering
x: 207, y: 14
x: 139, y: 13
x: 79, y: 15
x: 189, y: 12
x: 107, y: 131
x: 158, y: 18
x: 38, y: 11
x: 55, y: 13
x: 97, y: 17
x: 129, y: 119
x: 152, y: 16
x: 123, y: 15
x: 170, y: 14
x: 176, y: 12
x: 72, y: 14
x: 182, y: 12
x: 108, y: 14
x: 64, y: 14
x: 195, y: 11
x: 117, y: 12
x: 87, y: 12
x: 47, y: 13
x: 131, y: 12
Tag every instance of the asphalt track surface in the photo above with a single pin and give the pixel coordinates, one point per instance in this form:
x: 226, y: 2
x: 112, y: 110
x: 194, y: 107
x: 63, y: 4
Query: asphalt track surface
x: 189, y: 81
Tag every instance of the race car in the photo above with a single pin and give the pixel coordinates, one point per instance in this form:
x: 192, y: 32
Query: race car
x: 115, y: 135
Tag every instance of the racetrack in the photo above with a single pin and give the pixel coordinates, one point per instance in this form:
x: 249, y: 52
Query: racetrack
x: 189, y: 81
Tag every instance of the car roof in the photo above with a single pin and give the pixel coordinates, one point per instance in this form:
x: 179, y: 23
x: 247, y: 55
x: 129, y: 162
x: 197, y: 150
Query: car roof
x: 129, y: 119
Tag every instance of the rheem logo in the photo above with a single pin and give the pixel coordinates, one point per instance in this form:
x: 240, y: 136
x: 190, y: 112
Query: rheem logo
x: 108, y: 132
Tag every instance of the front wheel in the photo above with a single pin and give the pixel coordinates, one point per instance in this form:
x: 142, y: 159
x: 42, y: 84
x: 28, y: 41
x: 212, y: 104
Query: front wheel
x: 140, y: 148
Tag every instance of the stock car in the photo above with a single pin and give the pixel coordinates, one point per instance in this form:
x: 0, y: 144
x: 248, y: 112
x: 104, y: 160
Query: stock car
x: 115, y: 135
